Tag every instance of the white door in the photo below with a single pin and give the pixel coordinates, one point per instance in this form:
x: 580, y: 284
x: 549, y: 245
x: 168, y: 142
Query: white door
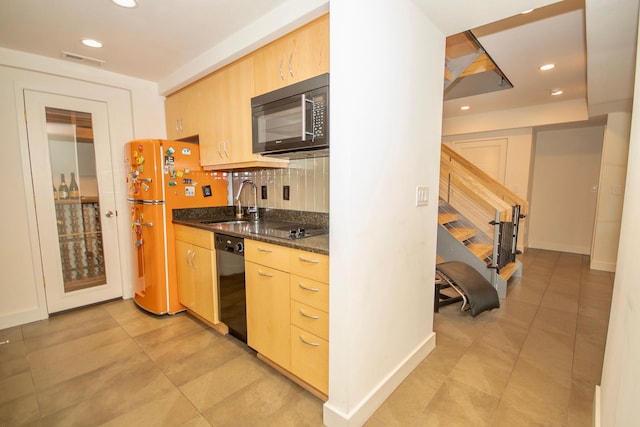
x: 490, y: 155
x: 69, y: 141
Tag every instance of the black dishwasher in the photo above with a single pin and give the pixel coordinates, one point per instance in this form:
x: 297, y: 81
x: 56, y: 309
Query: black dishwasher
x: 231, y: 289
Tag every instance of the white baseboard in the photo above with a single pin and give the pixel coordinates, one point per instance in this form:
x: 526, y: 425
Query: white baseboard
x: 603, y: 266
x: 16, y: 319
x: 559, y: 247
x: 336, y: 417
x: 596, y: 407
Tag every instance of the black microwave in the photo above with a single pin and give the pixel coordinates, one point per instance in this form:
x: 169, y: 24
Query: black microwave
x: 293, y: 122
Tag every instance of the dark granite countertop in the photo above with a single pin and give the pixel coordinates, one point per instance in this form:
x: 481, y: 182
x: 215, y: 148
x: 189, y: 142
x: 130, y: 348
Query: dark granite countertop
x: 269, y: 219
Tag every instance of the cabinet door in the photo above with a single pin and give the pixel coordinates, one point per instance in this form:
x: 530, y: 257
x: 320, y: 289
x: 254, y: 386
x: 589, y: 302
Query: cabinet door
x: 237, y: 92
x: 182, y: 112
x: 213, y: 118
x: 269, y: 67
x: 186, y: 289
x: 309, y: 51
x: 297, y: 56
x: 204, y: 283
x: 229, y: 93
x: 268, y: 319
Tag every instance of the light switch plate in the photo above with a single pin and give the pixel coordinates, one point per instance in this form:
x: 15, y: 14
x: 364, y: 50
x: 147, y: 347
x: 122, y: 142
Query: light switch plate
x: 422, y: 196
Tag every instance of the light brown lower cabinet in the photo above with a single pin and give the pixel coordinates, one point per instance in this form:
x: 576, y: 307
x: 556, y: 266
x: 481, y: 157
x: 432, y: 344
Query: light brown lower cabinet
x: 196, y: 271
x: 288, y: 310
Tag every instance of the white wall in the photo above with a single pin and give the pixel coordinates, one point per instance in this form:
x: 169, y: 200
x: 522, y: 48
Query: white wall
x: 385, y: 140
x: 613, y: 170
x: 563, y: 201
x: 620, y: 385
x: 21, y: 289
x: 536, y: 115
x: 518, y: 157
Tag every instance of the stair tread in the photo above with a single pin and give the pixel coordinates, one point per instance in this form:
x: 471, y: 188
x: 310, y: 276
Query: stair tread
x: 508, y: 270
x: 481, y: 250
x: 447, y: 217
x: 463, y: 234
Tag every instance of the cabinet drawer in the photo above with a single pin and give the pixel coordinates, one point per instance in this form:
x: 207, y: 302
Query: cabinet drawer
x: 310, y: 358
x: 310, y: 292
x: 311, y: 265
x: 274, y: 256
x: 268, y: 312
x: 195, y: 236
x: 310, y: 319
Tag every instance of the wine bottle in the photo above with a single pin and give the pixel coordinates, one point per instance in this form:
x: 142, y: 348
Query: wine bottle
x: 63, y: 189
x: 55, y: 192
x: 74, y: 191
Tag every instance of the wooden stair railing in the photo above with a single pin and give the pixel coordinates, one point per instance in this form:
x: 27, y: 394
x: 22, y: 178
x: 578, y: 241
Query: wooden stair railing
x: 477, y: 181
x: 481, y: 197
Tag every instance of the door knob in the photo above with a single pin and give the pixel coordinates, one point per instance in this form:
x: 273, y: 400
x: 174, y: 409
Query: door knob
x: 109, y: 214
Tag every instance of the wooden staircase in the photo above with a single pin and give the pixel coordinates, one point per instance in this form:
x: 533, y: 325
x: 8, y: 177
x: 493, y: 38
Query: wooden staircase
x: 474, y: 200
x: 476, y: 244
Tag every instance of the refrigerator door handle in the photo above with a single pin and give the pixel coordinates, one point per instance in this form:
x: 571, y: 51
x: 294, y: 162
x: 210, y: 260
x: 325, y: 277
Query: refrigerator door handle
x: 143, y: 224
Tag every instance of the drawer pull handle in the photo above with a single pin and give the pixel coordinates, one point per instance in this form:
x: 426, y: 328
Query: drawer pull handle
x: 308, y: 289
x: 264, y: 274
x: 313, y: 344
x: 309, y: 316
x: 265, y: 250
x: 312, y: 261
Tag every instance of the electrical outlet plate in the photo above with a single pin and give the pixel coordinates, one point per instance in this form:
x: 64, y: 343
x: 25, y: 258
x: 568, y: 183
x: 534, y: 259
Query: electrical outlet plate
x: 422, y: 196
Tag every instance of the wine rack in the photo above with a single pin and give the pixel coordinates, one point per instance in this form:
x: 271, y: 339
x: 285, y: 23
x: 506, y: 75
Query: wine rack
x: 80, y: 239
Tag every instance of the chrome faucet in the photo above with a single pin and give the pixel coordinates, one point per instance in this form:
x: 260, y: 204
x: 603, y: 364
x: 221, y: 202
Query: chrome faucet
x: 254, y: 209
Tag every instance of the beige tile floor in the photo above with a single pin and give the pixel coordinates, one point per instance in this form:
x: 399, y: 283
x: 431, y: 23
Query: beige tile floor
x: 533, y: 362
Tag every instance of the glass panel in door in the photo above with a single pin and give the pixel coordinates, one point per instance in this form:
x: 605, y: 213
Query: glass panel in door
x: 77, y: 203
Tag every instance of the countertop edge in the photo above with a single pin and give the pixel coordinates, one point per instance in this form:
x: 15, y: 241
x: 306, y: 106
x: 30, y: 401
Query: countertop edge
x: 315, y: 244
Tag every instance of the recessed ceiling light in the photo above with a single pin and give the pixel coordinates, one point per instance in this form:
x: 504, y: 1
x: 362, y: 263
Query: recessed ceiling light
x: 125, y: 3
x: 526, y: 11
x: 555, y: 92
x: 547, y: 67
x: 465, y: 107
x: 91, y: 43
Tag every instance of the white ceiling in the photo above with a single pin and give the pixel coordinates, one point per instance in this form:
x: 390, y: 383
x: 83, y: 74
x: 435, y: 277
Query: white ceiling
x: 149, y: 41
x: 161, y: 40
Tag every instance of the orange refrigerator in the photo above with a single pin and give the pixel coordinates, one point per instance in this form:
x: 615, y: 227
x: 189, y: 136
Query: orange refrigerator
x: 161, y: 176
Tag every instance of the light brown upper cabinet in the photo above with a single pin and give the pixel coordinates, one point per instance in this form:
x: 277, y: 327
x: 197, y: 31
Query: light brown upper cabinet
x: 217, y: 107
x: 297, y: 56
x: 225, y: 138
x: 228, y: 125
x: 182, y: 112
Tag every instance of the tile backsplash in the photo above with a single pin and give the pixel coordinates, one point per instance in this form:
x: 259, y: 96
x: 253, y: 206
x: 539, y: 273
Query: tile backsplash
x: 307, y: 181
